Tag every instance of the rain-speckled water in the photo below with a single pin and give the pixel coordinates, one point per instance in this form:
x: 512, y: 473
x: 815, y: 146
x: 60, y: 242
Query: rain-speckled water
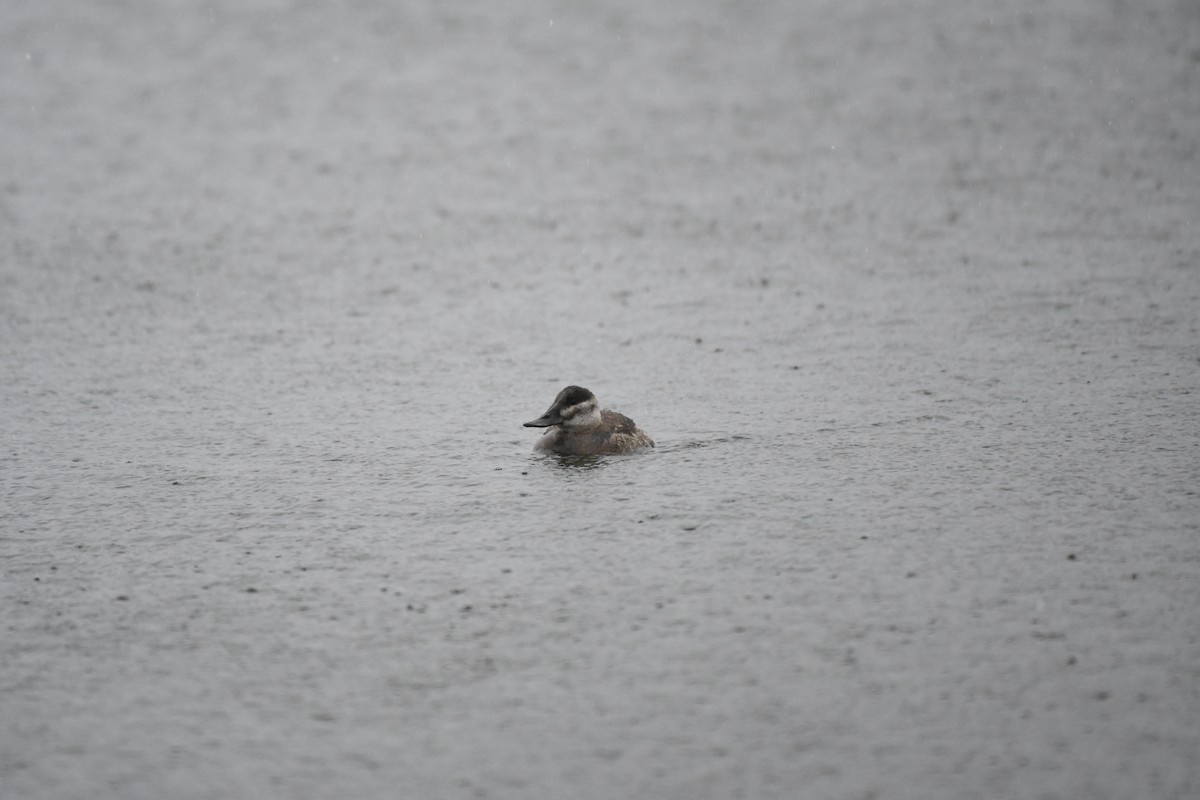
x: 915, y: 333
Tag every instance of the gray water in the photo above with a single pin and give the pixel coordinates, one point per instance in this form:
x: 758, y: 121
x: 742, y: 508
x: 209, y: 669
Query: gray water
x: 915, y: 331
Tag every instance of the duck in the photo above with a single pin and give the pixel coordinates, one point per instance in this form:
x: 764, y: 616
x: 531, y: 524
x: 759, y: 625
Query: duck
x: 578, y: 427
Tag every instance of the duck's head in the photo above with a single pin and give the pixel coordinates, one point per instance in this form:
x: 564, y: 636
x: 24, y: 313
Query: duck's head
x: 575, y: 407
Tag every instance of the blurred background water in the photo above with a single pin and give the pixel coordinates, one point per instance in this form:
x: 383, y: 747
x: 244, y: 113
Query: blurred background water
x: 905, y: 297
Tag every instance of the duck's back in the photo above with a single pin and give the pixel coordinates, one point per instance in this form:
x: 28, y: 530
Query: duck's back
x: 623, y: 434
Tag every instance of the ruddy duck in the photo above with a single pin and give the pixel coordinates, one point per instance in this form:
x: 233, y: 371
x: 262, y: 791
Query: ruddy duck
x: 579, y: 428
